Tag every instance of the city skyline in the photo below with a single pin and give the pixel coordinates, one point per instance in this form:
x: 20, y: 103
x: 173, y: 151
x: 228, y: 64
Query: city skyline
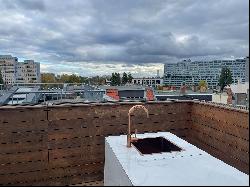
x: 101, y: 37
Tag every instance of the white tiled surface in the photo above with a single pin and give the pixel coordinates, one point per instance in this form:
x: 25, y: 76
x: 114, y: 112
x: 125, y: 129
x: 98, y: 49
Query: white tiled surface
x: 189, y: 167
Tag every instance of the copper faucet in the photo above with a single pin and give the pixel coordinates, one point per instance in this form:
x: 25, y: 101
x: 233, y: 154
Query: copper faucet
x: 129, y: 138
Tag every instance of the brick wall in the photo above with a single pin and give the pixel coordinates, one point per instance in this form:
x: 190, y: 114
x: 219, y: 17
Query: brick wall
x: 113, y: 93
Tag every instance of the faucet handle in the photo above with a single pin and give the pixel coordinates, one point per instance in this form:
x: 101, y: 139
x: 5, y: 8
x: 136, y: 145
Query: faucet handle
x: 135, y: 132
x: 135, y: 138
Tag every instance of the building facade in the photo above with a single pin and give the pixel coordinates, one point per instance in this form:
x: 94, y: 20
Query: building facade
x: 8, y: 67
x: 247, y: 69
x: 19, y: 72
x: 28, y: 72
x: 190, y: 73
x: 152, y: 82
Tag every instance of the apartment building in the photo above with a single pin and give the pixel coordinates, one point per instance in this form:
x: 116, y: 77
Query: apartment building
x: 8, y: 65
x: 19, y: 72
x: 191, y: 72
x: 28, y: 72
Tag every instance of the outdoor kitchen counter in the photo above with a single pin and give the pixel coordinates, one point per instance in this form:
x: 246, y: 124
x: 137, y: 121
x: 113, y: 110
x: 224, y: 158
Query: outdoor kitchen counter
x: 191, y: 166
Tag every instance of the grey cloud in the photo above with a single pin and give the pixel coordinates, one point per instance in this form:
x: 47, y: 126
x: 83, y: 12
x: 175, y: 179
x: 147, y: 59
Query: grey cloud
x: 25, y: 4
x: 124, y: 32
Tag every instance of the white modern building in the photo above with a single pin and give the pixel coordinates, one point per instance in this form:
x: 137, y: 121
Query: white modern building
x: 19, y: 72
x: 150, y: 81
x: 28, y: 72
x: 191, y: 72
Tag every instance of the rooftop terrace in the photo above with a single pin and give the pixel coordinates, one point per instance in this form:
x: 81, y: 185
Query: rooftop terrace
x: 64, y: 144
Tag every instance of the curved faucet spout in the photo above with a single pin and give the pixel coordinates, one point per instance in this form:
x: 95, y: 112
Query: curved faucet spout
x: 131, y: 110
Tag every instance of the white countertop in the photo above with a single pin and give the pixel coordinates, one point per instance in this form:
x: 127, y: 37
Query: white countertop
x: 189, y: 167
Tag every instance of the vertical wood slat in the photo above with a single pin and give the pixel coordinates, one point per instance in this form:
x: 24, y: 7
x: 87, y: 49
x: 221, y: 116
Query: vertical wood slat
x: 223, y: 133
x: 57, y: 145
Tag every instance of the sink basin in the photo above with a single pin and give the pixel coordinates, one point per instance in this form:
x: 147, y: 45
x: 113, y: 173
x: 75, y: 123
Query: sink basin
x: 155, y: 145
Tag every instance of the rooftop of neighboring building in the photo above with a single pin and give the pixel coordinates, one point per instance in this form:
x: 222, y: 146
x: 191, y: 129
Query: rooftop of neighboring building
x: 122, y: 88
x: 186, y: 93
x: 185, y: 61
x: 177, y: 92
x: 5, y: 56
x: 239, y: 87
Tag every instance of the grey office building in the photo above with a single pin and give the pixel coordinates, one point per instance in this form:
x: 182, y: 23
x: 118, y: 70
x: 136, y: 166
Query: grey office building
x: 191, y: 72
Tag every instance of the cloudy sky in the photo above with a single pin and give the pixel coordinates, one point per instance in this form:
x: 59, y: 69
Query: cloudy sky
x: 95, y: 37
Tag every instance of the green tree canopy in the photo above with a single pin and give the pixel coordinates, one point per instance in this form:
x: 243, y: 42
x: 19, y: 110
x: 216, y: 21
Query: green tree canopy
x: 84, y: 79
x: 225, y: 78
x: 130, y: 78
x: 124, y: 78
x: 115, y: 79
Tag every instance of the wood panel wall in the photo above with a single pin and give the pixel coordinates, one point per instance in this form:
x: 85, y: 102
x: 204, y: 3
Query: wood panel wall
x: 64, y: 145
x: 223, y: 133
x: 23, y: 145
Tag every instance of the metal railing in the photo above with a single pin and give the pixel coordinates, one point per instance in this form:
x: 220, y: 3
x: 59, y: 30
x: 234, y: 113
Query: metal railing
x: 241, y: 107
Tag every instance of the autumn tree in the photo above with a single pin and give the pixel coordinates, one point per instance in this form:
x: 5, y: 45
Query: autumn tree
x: 74, y: 79
x: 64, y: 78
x: 203, y: 84
x: 48, y: 78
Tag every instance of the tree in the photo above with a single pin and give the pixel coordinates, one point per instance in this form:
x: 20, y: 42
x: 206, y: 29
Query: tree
x: 96, y: 80
x: 118, y: 78
x: 115, y: 79
x: 225, y: 78
x: 130, y: 78
x: 84, y: 79
x: 203, y: 84
x: 48, y: 78
x: 124, y: 78
x: 74, y: 79
x: 112, y: 79
x: 1, y: 78
x: 64, y: 78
